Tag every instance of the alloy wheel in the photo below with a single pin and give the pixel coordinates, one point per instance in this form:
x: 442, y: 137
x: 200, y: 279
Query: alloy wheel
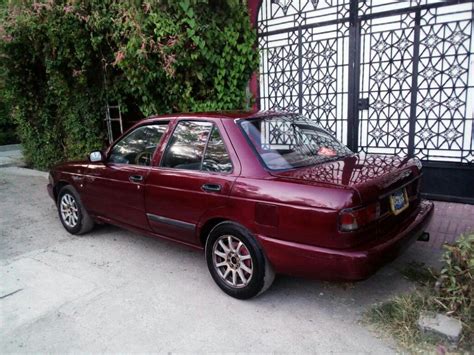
x: 69, y: 210
x: 232, y: 260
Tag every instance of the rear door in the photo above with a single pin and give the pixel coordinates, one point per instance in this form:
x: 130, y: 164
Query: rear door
x: 115, y: 188
x: 194, y: 177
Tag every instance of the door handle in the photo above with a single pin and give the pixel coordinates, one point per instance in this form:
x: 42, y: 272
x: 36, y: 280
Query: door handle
x: 135, y: 178
x: 211, y: 187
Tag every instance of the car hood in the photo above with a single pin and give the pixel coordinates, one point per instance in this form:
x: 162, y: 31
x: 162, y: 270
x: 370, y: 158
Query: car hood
x: 370, y: 175
x: 77, y: 166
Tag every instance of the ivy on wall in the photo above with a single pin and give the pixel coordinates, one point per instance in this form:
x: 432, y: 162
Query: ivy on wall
x: 63, y: 60
x: 7, y: 127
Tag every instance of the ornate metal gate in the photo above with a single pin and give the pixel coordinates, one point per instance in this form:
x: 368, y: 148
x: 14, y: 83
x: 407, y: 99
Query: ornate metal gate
x: 385, y: 76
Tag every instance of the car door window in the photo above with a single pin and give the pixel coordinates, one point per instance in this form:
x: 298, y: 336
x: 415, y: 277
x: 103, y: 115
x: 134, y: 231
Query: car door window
x: 216, y: 157
x: 186, y: 147
x: 137, y: 147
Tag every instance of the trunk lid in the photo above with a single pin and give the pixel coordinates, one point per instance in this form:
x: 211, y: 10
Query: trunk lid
x: 373, y: 177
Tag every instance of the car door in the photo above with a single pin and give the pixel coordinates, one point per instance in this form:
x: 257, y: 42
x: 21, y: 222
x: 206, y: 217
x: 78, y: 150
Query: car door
x: 115, y: 188
x: 194, y: 177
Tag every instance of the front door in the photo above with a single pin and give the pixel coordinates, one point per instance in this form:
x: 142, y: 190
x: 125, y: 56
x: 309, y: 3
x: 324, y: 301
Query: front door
x: 115, y: 189
x: 195, y: 176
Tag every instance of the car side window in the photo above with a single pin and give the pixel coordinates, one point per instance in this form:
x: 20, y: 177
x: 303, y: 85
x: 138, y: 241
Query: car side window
x: 216, y: 157
x: 138, y: 146
x: 186, y: 146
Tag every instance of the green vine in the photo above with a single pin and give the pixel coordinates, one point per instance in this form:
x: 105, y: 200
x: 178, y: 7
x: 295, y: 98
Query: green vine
x: 154, y: 56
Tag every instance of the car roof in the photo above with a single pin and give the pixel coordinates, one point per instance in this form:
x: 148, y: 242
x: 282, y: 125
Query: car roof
x: 217, y: 115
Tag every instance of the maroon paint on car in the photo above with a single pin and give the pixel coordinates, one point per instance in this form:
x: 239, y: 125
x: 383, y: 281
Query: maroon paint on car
x: 338, y: 216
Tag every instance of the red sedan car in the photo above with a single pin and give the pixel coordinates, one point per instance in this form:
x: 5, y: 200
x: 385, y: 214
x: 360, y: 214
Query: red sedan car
x: 261, y: 193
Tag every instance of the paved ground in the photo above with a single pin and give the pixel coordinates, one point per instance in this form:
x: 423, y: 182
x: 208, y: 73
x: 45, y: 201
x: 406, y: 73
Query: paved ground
x: 449, y: 221
x: 10, y: 155
x: 113, y: 290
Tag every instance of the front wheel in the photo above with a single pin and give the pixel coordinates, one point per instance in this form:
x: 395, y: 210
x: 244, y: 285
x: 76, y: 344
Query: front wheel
x: 236, y: 262
x: 72, y: 213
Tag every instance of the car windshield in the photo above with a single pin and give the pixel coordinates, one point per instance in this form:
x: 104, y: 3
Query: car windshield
x: 292, y: 141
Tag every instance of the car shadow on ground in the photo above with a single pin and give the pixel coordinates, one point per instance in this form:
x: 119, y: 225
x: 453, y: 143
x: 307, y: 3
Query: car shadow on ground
x: 356, y: 296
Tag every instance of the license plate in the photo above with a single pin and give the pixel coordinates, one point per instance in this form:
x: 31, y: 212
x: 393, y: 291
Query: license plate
x: 399, y: 201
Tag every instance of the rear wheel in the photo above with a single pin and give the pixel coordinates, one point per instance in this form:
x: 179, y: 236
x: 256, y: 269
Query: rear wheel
x: 236, y: 262
x: 72, y: 213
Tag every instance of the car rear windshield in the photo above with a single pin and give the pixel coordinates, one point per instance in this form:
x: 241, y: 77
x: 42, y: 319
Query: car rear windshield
x: 293, y: 141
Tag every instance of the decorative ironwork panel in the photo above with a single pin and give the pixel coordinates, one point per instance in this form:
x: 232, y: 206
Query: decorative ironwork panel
x: 374, y: 7
x: 385, y: 79
x: 279, y: 87
x: 306, y: 70
x: 445, y: 99
x: 324, y: 87
x: 419, y: 88
x: 281, y: 15
x: 408, y: 64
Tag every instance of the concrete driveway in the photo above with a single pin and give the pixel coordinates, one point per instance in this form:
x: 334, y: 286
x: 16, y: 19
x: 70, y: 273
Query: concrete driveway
x: 112, y: 290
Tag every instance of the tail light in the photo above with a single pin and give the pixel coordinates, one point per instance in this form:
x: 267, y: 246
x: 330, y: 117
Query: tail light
x: 352, y: 219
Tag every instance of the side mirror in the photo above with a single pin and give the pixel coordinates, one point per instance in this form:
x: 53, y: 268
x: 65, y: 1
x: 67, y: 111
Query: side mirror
x: 96, y: 157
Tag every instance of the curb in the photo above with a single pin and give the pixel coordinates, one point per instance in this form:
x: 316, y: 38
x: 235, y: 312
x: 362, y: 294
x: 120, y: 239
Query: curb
x: 9, y: 147
x: 14, y: 170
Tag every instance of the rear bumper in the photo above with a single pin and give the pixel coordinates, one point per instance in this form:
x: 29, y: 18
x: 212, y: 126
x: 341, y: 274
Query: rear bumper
x: 346, y: 264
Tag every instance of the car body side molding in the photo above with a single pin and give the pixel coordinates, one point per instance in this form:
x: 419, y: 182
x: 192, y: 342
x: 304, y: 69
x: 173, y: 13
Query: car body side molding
x: 173, y: 222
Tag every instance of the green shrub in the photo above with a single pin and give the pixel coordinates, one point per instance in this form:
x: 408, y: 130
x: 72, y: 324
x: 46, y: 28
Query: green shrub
x: 201, y: 56
x: 451, y: 292
x: 455, y: 285
x: 64, y: 60
x: 7, y: 126
x: 8, y: 135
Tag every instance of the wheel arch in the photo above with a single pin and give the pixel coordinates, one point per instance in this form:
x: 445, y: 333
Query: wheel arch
x: 58, y: 186
x: 208, y: 226
x: 211, y: 223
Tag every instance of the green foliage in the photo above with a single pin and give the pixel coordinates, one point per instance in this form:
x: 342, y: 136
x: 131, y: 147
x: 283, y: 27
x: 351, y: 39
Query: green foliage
x: 157, y: 56
x: 455, y: 285
x: 7, y: 128
x: 399, y: 316
x: 200, y: 54
x: 450, y: 292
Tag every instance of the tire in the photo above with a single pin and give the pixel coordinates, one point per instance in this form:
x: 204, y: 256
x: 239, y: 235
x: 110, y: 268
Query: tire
x: 240, y: 270
x: 72, y: 213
